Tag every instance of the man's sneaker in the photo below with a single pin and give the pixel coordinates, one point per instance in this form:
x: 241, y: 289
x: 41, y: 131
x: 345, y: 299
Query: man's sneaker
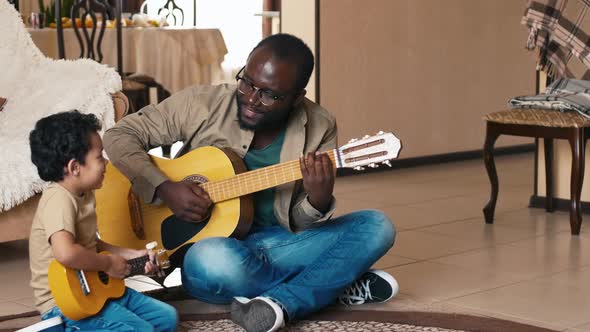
x: 375, y: 286
x: 259, y: 314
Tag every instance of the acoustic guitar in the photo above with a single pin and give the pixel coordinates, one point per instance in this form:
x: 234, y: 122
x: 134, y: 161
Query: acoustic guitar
x: 124, y: 220
x: 80, y: 294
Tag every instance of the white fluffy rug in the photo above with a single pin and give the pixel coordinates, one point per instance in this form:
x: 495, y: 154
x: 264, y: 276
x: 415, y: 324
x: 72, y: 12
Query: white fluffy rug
x: 35, y: 87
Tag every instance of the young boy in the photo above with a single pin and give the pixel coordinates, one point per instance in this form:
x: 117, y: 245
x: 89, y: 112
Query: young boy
x: 67, y: 151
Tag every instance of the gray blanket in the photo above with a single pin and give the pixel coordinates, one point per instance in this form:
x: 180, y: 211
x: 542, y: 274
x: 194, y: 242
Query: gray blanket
x: 562, y: 95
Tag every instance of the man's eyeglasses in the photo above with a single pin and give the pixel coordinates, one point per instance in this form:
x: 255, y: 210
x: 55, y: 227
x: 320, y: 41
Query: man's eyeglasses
x: 246, y: 87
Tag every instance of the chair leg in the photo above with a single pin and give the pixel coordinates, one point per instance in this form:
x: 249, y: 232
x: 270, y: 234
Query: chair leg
x: 549, y: 174
x: 577, y: 144
x: 488, y: 156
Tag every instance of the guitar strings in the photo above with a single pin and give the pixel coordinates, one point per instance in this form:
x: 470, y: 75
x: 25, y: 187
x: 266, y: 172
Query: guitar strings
x: 249, y: 182
x: 256, y: 180
x: 253, y: 181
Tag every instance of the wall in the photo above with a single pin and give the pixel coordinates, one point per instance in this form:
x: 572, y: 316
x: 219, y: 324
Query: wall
x: 428, y: 70
x: 299, y: 18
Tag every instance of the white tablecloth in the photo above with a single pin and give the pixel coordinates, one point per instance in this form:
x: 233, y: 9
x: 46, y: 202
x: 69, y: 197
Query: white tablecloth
x: 174, y: 57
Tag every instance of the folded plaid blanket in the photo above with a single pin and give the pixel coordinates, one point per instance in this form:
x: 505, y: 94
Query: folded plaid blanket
x: 557, y: 28
x: 562, y: 95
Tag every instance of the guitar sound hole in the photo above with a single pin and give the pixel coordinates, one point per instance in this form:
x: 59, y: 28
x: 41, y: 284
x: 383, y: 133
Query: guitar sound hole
x: 104, y: 278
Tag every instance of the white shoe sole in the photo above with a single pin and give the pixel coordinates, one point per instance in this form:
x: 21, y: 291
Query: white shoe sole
x: 389, y: 278
x: 277, y: 309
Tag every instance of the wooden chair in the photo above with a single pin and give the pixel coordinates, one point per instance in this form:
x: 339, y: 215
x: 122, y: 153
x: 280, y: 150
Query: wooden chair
x: 169, y: 10
x: 135, y: 86
x: 549, y: 125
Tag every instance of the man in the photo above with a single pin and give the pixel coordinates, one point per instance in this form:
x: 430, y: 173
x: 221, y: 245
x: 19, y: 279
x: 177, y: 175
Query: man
x: 295, y: 259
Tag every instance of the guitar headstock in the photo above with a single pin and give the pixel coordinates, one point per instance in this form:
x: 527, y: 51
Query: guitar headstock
x: 369, y: 151
x: 161, y: 261
x: 160, y: 258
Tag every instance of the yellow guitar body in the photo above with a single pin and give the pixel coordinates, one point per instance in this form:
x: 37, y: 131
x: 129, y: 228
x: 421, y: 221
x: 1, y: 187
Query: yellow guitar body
x: 67, y: 289
x: 223, y: 175
x: 206, y: 164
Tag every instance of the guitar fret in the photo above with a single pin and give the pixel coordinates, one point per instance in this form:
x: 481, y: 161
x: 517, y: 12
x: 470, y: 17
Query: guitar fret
x: 257, y: 180
x: 138, y: 265
x: 239, y: 184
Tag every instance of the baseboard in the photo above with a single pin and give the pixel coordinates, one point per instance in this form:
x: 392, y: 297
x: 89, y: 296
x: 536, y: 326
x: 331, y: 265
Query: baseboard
x: 440, y: 159
x: 559, y: 204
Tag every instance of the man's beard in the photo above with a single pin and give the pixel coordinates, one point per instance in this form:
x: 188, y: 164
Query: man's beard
x: 269, y: 120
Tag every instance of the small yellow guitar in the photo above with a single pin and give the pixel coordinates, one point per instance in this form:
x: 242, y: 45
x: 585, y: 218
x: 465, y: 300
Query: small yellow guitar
x: 80, y: 294
x: 124, y: 221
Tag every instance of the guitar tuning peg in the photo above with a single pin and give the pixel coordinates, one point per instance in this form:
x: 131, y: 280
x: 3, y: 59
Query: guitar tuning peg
x: 380, y: 132
x: 387, y: 162
x: 152, y: 245
x: 352, y: 140
x: 373, y: 165
x: 366, y: 136
x: 359, y: 168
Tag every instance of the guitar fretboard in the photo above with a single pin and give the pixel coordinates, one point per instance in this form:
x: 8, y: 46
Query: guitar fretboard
x: 138, y: 265
x: 256, y: 180
x: 137, y: 268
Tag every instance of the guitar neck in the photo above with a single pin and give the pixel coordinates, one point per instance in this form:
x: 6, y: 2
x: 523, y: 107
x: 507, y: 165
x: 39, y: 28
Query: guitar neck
x: 138, y: 265
x: 256, y: 180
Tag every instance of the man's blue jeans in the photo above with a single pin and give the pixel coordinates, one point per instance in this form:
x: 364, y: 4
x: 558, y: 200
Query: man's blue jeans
x: 133, y: 312
x: 303, y: 271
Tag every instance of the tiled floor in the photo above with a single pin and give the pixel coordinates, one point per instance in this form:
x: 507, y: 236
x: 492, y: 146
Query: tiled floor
x: 526, y: 267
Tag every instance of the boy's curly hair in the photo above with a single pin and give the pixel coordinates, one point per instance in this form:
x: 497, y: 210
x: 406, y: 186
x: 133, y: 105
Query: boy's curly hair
x: 59, y: 138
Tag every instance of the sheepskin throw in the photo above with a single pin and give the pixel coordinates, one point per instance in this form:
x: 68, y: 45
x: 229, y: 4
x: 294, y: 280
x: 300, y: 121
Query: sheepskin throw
x: 36, y: 86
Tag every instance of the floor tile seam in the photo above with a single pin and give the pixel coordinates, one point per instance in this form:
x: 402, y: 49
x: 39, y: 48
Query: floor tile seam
x: 439, y: 224
x: 3, y: 301
x: 398, y: 265
x: 532, y: 278
x: 527, y: 237
x: 447, y: 237
x: 513, y: 244
x: 501, y: 274
x: 454, y: 221
x: 481, y: 207
x: 459, y: 220
x: 32, y: 306
x: 512, y: 225
x: 552, y: 274
x: 509, y: 284
x: 452, y: 254
x: 27, y: 298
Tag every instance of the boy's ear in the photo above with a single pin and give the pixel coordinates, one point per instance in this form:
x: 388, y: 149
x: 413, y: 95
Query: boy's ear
x: 73, y: 167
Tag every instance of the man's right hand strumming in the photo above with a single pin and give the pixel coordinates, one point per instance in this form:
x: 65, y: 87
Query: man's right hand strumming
x: 187, y: 200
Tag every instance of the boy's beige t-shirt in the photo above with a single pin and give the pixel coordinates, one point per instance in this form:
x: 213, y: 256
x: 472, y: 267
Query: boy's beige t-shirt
x: 58, y: 210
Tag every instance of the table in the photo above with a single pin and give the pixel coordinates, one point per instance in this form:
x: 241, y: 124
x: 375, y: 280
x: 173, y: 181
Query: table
x: 175, y: 57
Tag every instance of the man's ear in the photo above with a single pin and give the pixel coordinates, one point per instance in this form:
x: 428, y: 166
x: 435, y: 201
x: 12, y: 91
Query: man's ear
x: 299, y: 97
x: 73, y: 167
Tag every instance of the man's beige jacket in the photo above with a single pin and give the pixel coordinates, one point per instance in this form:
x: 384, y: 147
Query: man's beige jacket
x: 207, y: 115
